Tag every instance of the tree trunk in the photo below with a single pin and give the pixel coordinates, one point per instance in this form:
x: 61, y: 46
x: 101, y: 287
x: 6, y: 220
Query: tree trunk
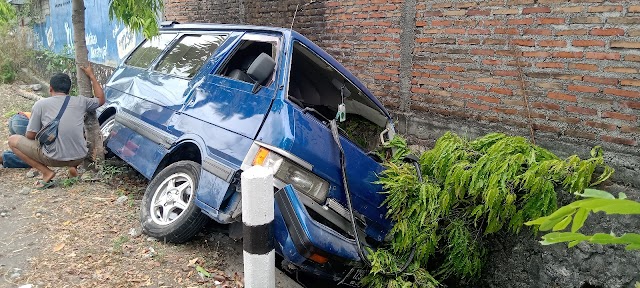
x: 92, y: 127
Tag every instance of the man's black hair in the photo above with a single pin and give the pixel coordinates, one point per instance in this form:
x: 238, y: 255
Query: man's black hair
x: 60, y: 83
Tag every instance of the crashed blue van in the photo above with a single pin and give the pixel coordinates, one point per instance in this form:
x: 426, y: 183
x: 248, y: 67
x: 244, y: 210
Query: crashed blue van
x: 195, y: 106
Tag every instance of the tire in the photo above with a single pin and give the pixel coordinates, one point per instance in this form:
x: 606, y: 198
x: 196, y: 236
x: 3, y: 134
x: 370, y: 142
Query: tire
x: 105, y: 131
x: 168, y: 211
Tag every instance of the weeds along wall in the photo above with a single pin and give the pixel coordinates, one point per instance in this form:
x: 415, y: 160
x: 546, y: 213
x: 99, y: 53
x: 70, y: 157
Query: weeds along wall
x: 568, y: 69
x: 45, y: 64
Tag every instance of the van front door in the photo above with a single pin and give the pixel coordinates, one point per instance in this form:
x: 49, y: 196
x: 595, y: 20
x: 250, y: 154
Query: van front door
x: 227, y: 97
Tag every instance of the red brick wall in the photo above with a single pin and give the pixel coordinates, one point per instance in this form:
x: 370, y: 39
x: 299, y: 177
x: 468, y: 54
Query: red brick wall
x: 365, y: 37
x: 579, y: 64
x: 267, y: 13
x: 213, y: 11
x: 571, y: 66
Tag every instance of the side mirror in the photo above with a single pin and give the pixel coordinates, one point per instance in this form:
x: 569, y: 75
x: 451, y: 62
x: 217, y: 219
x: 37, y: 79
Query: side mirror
x: 261, y: 70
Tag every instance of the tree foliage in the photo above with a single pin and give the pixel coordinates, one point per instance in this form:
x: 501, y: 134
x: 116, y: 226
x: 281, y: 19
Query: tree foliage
x: 470, y: 189
x: 576, y: 214
x: 14, y: 43
x: 7, y: 13
x: 137, y: 15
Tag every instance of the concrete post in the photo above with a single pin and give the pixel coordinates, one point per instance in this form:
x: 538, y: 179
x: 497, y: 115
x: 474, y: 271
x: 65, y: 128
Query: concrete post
x: 257, y: 231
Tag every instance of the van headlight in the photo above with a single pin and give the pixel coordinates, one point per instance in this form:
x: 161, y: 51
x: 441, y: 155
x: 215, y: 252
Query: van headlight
x: 301, y: 179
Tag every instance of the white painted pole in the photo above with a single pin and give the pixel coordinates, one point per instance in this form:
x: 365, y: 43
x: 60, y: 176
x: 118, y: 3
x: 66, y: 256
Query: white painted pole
x: 257, y: 220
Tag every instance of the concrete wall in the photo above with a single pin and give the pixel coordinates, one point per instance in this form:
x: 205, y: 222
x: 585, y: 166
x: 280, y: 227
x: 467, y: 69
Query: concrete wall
x: 107, y: 41
x: 567, y: 68
x: 521, y: 262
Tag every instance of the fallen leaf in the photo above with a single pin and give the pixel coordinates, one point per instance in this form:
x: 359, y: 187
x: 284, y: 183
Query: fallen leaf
x: 238, y: 279
x: 220, y: 278
x: 66, y: 223
x: 192, y: 262
x: 203, y: 271
x: 58, y: 247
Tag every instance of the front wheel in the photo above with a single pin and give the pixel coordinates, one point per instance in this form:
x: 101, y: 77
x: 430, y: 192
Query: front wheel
x: 168, y: 209
x: 105, y: 130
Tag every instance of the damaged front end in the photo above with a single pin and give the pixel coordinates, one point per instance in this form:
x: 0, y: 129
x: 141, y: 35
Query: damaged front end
x: 312, y: 246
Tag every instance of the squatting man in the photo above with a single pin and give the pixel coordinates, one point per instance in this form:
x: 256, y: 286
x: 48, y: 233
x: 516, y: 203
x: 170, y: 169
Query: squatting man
x: 70, y: 146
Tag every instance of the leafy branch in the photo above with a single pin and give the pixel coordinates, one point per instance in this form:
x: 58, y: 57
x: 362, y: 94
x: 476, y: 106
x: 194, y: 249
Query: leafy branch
x: 470, y: 189
x: 576, y: 214
x: 138, y: 15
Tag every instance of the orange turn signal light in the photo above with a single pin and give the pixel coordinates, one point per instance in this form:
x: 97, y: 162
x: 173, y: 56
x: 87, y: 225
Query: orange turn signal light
x: 319, y: 259
x: 260, y: 156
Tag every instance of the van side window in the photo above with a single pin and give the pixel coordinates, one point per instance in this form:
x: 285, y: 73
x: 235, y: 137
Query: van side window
x: 149, y: 50
x: 247, y: 55
x: 189, y: 54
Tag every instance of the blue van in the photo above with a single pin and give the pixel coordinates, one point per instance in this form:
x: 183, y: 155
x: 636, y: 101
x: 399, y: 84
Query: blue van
x: 193, y: 107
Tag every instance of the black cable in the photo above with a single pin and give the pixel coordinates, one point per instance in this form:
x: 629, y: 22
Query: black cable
x: 343, y: 165
x: 406, y: 264
x: 336, y: 137
x: 417, y: 166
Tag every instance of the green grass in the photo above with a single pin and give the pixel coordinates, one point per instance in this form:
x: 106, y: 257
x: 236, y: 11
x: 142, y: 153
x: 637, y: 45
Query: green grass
x: 118, y: 243
x: 10, y: 113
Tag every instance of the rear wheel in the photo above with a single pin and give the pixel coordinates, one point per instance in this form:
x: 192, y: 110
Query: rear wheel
x: 168, y: 209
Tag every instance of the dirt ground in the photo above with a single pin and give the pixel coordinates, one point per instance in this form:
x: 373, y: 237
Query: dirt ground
x: 87, y: 234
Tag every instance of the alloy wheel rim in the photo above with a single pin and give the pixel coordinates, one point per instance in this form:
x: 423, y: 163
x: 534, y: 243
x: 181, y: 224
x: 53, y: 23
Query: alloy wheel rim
x: 171, y: 199
x: 106, y: 128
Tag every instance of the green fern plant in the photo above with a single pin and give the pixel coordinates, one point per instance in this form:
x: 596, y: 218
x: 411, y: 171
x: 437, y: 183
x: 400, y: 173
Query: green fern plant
x: 576, y: 214
x: 470, y: 189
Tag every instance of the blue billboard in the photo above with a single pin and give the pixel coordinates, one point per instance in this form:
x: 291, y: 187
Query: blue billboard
x: 107, y: 41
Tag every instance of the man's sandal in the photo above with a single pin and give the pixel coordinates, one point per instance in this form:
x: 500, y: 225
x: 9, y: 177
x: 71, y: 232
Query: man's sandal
x: 41, y: 184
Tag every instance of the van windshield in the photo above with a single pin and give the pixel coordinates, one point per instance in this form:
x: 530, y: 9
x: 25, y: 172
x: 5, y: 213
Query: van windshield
x: 320, y: 88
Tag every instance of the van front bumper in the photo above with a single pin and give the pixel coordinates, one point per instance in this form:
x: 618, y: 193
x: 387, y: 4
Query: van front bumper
x: 300, y: 237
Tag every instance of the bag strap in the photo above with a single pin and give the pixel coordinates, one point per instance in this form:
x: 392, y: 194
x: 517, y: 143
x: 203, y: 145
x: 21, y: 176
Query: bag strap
x: 64, y: 107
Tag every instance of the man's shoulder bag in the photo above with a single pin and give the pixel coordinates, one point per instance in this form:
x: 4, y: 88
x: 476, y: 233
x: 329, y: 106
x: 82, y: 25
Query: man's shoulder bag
x: 48, y: 134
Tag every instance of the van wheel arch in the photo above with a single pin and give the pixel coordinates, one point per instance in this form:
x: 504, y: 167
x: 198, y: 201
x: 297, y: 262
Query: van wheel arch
x: 185, y: 150
x: 106, y: 114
